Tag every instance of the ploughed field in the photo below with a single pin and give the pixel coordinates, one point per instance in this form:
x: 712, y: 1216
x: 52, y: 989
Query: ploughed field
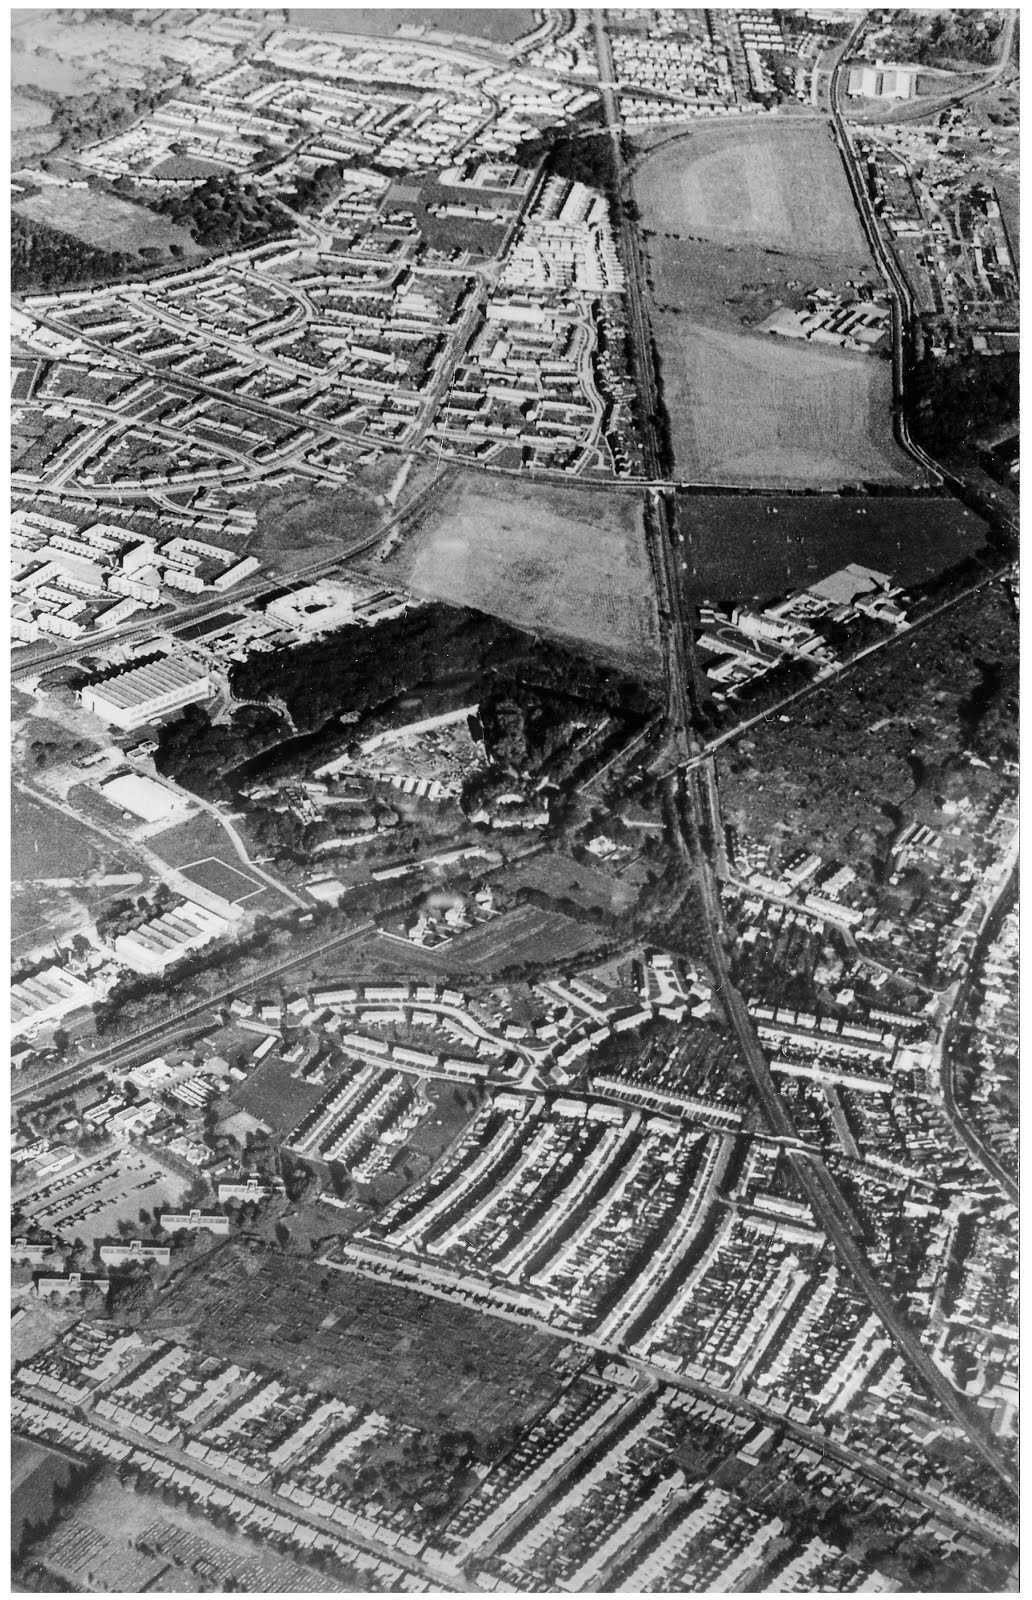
x: 758, y: 547
x: 737, y: 221
x: 569, y: 563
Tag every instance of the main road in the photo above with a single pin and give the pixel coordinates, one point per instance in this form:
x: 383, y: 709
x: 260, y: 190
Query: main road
x: 698, y: 814
x: 986, y: 1157
x: 693, y: 804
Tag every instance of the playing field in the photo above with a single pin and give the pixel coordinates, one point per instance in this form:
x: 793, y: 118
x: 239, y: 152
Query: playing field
x: 746, y: 409
x: 777, y: 184
x: 567, y: 562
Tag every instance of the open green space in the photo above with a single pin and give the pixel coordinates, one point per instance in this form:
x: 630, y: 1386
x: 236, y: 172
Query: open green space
x: 274, y: 1095
x: 758, y: 547
x: 498, y: 27
x: 736, y: 222
x: 202, y: 838
x: 748, y: 409
x: 103, y: 220
x: 567, y: 562
x: 561, y: 878
x: 47, y: 844
x: 777, y: 184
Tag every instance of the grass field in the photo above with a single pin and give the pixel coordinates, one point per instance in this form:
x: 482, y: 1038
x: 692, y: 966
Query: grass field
x: 735, y: 223
x: 275, y: 1097
x: 567, y: 562
x: 47, y: 844
x: 197, y: 840
x: 757, y: 547
x: 500, y: 27
x: 527, y: 934
x: 103, y: 220
x: 562, y: 878
x: 780, y: 185
x: 750, y: 410
x: 232, y: 883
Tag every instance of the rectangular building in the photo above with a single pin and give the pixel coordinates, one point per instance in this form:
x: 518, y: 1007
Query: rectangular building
x: 144, y: 693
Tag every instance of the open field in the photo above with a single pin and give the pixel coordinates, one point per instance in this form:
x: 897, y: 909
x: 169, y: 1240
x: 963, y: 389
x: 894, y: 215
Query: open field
x: 564, y: 879
x: 567, y: 562
x: 201, y: 850
x: 526, y: 934
x: 735, y: 224
x: 748, y: 410
x: 232, y: 883
x: 194, y: 840
x: 757, y: 547
x: 500, y: 27
x: 104, y: 221
x: 31, y: 133
x: 780, y: 184
x: 429, y: 1363
x: 301, y: 523
x: 275, y: 1097
x: 47, y: 844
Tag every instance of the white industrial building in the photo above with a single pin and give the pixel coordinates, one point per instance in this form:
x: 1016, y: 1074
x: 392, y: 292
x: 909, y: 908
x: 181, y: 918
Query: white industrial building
x: 166, y: 939
x: 154, y: 802
x: 139, y: 696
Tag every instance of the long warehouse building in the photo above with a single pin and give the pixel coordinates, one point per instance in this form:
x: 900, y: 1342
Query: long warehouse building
x: 144, y: 693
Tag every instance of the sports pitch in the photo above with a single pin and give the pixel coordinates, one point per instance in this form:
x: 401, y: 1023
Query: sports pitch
x: 779, y: 185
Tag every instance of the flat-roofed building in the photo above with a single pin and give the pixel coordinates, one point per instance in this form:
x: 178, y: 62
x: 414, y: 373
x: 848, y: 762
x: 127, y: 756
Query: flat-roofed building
x: 214, y: 1221
x: 144, y: 693
x: 144, y: 797
x: 117, y: 1255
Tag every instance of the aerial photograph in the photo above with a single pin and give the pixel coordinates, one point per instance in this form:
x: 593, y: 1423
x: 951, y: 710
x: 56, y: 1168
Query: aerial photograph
x: 514, y: 800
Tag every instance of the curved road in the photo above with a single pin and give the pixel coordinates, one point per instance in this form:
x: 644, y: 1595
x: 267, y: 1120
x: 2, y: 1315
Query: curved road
x: 965, y: 1130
